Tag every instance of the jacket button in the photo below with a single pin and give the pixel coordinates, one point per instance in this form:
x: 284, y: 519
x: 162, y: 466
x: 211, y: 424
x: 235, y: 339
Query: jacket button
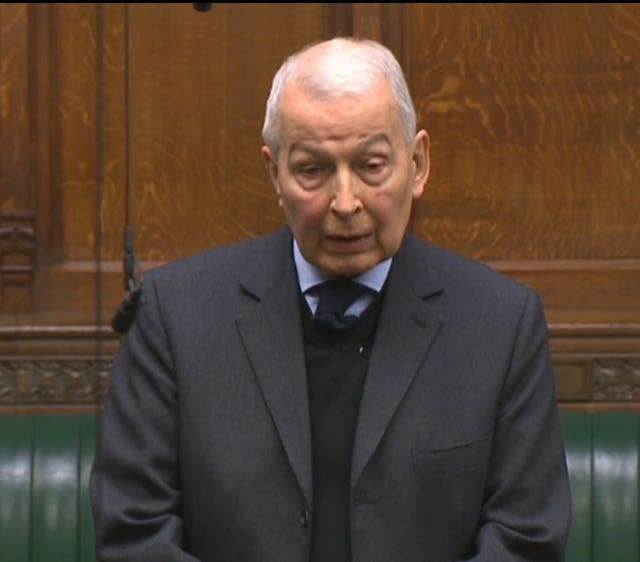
x: 305, y: 518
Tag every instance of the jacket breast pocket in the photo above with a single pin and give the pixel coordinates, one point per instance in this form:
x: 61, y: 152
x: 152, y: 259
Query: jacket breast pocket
x: 451, y: 460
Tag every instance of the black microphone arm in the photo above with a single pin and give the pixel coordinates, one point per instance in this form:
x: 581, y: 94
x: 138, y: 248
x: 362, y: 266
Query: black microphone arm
x: 126, y: 313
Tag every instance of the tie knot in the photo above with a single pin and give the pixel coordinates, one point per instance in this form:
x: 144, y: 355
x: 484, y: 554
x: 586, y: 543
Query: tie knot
x: 334, y: 298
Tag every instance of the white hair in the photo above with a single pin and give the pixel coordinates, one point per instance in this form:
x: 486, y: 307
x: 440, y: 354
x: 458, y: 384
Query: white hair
x: 337, y: 67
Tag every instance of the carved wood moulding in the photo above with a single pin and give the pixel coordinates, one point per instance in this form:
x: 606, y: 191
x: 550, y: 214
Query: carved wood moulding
x: 84, y: 381
x: 616, y: 379
x: 589, y: 379
x: 54, y: 381
x: 17, y: 259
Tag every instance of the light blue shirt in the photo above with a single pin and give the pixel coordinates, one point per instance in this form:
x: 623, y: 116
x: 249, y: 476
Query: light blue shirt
x: 309, y: 276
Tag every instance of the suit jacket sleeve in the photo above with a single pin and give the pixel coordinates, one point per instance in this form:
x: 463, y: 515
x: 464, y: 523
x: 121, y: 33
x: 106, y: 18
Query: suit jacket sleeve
x: 526, y: 512
x: 135, y: 488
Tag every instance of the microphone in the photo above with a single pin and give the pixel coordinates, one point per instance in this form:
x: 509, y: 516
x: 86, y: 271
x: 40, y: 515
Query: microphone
x: 202, y: 7
x: 126, y: 313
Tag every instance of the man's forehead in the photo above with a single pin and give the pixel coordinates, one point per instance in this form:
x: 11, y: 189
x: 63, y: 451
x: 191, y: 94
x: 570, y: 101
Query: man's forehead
x: 360, y: 117
x: 361, y: 144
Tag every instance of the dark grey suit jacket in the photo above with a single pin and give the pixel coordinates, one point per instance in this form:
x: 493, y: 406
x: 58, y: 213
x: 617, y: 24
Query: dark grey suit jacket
x: 205, y: 447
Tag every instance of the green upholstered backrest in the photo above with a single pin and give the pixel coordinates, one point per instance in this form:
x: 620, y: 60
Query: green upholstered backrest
x: 45, y: 460
x: 602, y: 456
x: 45, y: 514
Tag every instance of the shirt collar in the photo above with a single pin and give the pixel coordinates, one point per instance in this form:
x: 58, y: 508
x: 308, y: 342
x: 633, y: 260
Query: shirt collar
x: 309, y: 275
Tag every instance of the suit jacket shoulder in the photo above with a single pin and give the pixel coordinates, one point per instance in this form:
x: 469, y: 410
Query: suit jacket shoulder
x: 265, y: 255
x: 217, y: 283
x: 461, y: 278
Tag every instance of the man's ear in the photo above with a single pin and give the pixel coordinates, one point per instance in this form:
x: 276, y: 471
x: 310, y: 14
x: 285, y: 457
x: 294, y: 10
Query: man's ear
x: 270, y: 163
x: 421, y: 162
x: 272, y: 169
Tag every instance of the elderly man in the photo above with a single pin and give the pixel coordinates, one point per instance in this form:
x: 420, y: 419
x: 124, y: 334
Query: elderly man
x: 337, y: 391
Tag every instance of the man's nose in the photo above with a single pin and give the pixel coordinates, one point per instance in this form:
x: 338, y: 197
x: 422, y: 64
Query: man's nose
x: 347, y: 195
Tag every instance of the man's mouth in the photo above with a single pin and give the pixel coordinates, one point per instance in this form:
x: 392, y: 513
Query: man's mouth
x: 347, y: 243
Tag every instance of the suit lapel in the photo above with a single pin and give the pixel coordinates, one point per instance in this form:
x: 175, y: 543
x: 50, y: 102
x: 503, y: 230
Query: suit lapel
x: 406, y: 329
x: 271, y: 331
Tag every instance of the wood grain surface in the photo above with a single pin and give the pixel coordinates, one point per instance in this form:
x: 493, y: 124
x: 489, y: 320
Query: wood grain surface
x: 155, y: 110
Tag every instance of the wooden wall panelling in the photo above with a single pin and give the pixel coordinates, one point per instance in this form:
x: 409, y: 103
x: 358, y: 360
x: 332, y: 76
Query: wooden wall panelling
x: 17, y: 258
x: 338, y: 19
x: 70, y: 284
x: 534, y: 122
x: 533, y: 115
x: 532, y: 111
x: 198, y: 97
x: 198, y: 86
x: 50, y: 352
x: 17, y: 229
x: 61, y: 102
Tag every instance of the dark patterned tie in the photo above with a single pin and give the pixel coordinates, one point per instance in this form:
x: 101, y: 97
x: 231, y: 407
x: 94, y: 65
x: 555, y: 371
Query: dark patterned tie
x: 335, y: 297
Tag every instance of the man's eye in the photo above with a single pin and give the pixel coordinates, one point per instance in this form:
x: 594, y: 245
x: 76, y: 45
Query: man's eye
x: 311, y: 176
x: 373, y: 167
x: 309, y: 170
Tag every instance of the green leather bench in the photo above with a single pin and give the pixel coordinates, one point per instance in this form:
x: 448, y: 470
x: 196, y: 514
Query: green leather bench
x: 45, y: 515
x: 602, y: 456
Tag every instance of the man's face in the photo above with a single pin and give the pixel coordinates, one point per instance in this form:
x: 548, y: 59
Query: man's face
x: 345, y: 177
